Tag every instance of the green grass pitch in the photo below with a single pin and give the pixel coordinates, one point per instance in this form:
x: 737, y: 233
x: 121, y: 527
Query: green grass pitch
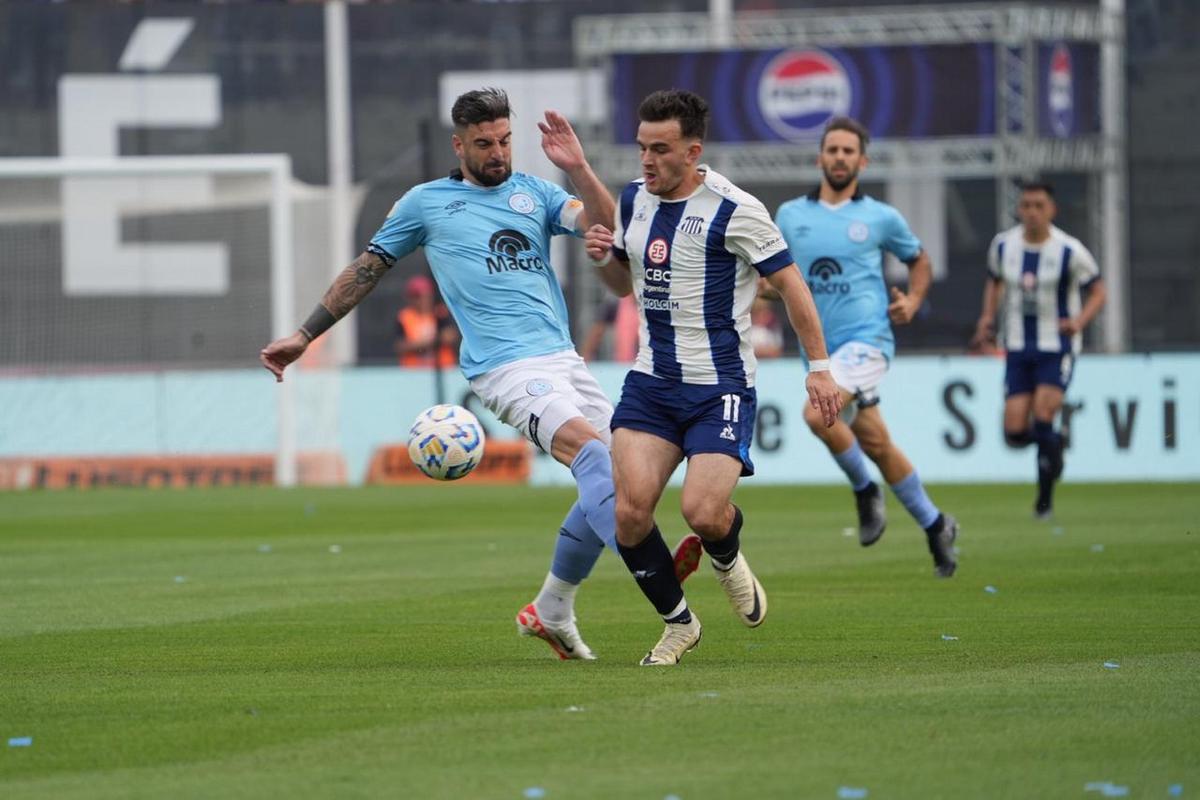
x: 360, y: 643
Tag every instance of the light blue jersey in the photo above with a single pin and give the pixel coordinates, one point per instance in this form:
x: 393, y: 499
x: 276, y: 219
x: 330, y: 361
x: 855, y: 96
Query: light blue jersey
x: 839, y: 250
x: 489, y: 248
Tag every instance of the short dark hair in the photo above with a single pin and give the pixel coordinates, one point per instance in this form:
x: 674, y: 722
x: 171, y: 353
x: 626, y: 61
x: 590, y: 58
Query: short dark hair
x: 1038, y: 186
x: 481, y: 105
x: 689, y: 108
x: 847, y: 124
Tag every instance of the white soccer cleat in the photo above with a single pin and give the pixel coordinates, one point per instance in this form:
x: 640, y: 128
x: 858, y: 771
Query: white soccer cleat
x: 564, y: 640
x: 745, y: 593
x: 677, y: 639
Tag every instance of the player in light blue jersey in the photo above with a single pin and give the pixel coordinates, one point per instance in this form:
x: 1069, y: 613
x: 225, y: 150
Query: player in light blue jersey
x: 695, y: 246
x: 837, y: 236
x: 1038, y: 272
x: 486, y: 232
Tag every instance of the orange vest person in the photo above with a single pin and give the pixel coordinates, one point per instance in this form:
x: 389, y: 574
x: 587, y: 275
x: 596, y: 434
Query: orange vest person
x: 421, y: 331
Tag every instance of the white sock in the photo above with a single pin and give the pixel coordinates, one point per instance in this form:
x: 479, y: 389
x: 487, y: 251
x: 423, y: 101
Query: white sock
x: 679, y: 609
x: 721, y: 565
x: 555, y: 603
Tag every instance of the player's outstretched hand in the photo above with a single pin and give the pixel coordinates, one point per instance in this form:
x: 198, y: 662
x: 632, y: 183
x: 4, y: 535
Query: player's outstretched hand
x: 560, y: 143
x: 281, y: 352
x: 824, y: 395
x: 599, y: 241
x: 903, y: 308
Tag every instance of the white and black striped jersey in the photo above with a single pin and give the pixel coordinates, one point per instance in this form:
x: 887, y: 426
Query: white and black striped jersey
x: 1042, y: 284
x: 695, y: 264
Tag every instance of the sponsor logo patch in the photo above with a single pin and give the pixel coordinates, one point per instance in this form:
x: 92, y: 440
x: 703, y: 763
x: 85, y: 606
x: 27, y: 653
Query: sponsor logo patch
x: 658, y: 251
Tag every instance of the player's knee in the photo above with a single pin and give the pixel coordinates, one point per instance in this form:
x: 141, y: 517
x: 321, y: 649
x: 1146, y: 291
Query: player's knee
x: 633, y: 522
x: 705, y: 516
x: 875, y: 446
x: 815, y: 422
x: 1017, y: 439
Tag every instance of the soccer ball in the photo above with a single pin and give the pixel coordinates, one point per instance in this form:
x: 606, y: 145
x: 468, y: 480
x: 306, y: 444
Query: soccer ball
x: 445, y: 442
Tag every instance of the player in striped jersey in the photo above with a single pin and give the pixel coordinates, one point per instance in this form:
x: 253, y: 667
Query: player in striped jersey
x: 486, y: 232
x: 695, y: 245
x: 1036, y: 273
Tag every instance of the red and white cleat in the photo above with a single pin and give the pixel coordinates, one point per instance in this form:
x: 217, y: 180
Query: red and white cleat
x: 564, y: 640
x: 687, y: 556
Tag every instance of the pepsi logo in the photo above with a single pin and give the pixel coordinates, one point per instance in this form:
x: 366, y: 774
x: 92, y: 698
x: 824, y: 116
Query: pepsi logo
x: 800, y: 91
x: 1060, y: 95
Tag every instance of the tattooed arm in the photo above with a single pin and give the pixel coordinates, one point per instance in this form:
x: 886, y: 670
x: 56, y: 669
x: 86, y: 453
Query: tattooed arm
x: 348, y: 289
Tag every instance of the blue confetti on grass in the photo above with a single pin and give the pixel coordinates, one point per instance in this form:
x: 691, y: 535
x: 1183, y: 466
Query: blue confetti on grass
x: 534, y: 792
x: 990, y: 589
x: 1111, y: 665
x: 948, y: 638
x: 851, y: 793
x: 1175, y: 790
x: 1106, y: 789
x: 20, y: 741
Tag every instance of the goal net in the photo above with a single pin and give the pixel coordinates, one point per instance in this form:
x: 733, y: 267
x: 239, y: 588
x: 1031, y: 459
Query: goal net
x: 136, y: 295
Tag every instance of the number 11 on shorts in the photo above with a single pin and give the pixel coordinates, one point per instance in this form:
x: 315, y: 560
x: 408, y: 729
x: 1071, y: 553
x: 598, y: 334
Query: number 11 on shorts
x: 733, y: 402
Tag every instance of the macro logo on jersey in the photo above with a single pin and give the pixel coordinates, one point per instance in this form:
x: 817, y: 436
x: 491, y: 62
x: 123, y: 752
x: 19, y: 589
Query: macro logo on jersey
x: 1060, y: 95
x: 691, y: 225
x: 453, y: 208
x: 512, y: 251
x: 821, y: 276
x: 802, y: 90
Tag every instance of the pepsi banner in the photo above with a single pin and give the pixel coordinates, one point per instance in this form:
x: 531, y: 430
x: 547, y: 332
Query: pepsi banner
x: 907, y: 92
x: 1068, y: 89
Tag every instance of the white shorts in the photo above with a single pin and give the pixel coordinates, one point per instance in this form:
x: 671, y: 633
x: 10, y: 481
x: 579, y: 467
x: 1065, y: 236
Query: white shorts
x: 538, y: 395
x: 859, y: 369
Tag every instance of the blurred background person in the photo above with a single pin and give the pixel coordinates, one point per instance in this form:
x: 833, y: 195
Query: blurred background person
x: 425, y: 334
x: 766, y: 332
x: 620, y: 316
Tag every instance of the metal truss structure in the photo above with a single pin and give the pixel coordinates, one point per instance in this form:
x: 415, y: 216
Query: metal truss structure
x: 1013, y: 152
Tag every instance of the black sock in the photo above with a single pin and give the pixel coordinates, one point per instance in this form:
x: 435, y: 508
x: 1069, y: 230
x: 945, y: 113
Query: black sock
x: 654, y: 570
x: 1049, y: 460
x: 937, y: 525
x: 724, y: 551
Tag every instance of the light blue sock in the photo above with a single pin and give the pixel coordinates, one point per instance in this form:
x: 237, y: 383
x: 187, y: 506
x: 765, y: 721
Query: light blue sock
x: 854, y: 464
x: 911, y: 493
x: 592, y: 469
x: 577, y: 548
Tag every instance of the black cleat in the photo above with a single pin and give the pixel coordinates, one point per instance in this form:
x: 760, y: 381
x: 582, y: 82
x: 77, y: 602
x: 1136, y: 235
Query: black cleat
x: 1042, y: 509
x: 941, y: 547
x: 872, y: 514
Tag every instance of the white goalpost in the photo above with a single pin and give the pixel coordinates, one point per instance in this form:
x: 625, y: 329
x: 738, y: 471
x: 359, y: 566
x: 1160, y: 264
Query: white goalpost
x: 165, y: 235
